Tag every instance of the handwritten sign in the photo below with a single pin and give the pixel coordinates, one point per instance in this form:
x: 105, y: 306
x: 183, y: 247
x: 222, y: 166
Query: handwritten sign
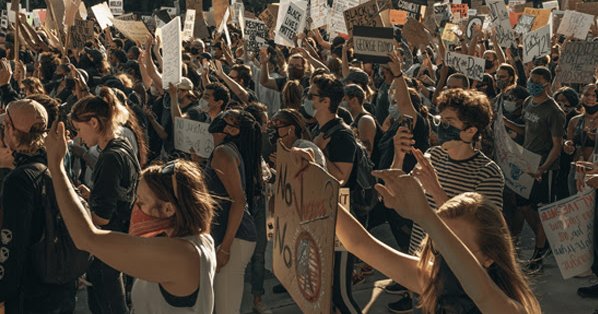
x: 134, y: 30
x: 319, y: 13
x: 569, y: 227
x: 365, y: 14
x: 550, y: 5
x: 578, y: 62
x: 576, y: 24
x: 80, y: 32
x: 500, y: 19
x: 394, y: 17
x: 413, y: 9
x: 256, y: 33
x: 514, y: 160
x: 473, y: 21
x: 542, y: 16
x: 524, y: 24
x: 537, y: 43
x: 459, y: 11
x: 337, y: 17
x: 290, y: 23
x: 588, y: 8
x: 172, y: 51
x: 449, y: 33
x: 472, y: 67
x: 305, y: 203
x: 415, y: 33
x: 269, y: 16
x: 116, y: 7
x: 193, y: 137
x: 219, y: 8
x: 442, y: 13
x: 103, y: 15
x: 373, y: 44
x: 189, y: 24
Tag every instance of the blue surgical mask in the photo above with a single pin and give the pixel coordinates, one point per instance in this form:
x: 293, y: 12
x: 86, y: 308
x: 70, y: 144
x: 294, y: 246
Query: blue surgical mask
x: 308, y: 106
x: 535, y: 89
x: 447, y: 132
x: 393, y: 112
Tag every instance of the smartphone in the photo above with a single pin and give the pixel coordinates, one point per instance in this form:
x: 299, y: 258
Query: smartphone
x: 406, y: 121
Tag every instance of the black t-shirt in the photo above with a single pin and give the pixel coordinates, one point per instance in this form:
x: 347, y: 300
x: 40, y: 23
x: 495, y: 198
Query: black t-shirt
x: 421, y: 135
x: 342, y: 146
x: 283, y: 80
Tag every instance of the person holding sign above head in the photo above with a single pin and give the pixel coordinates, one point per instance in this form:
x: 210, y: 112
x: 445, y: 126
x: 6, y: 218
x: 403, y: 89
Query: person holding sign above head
x: 169, y: 249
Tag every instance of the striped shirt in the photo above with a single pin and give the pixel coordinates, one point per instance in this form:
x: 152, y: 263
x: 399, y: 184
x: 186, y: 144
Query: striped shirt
x: 477, y: 174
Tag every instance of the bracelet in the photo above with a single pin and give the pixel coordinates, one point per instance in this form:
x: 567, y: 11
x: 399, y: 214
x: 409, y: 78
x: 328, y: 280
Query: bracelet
x: 400, y: 75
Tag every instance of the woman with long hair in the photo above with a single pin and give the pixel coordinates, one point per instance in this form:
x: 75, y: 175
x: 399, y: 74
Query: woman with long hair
x: 98, y: 121
x: 467, y: 262
x: 174, y: 272
x: 233, y: 174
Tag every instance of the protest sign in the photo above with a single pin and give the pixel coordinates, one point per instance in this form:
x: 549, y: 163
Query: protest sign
x: 365, y: 14
x: 472, y: 67
x: 193, y: 137
x: 337, y: 17
x: 542, y: 16
x: 344, y: 199
x: 134, y: 30
x: 149, y: 22
x: 576, y: 24
x: 82, y: 11
x: 291, y: 21
x: 393, y: 17
x: 189, y: 24
x: 4, y: 20
x: 537, y: 43
x: 270, y: 15
x: 459, y: 11
x: 587, y: 8
x: 449, y: 33
x: 172, y: 52
x: 413, y: 9
x: 415, y: 33
x: 103, y: 15
x: 200, y: 29
x: 514, y: 160
x: 127, y: 17
x: 578, y: 62
x: 442, y: 13
x: 420, y: 2
x: 550, y: 5
x: 72, y: 9
x: 305, y: 202
x: 256, y: 33
x: 473, y: 20
x: 502, y: 24
x: 116, y: 7
x: 524, y: 24
x: 80, y: 32
x: 373, y: 44
x: 319, y: 13
x: 218, y: 10
x: 569, y: 227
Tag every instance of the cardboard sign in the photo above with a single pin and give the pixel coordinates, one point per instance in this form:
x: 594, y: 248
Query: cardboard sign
x: 80, y: 32
x: 514, y: 160
x: 578, y: 62
x: 318, y: 13
x: 71, y: 12
x: 305, y: 202
x: 394, y: 17
x: 337, y: 17
x: 415, y: 33
x: 193, y: 137
x: 200, y: 29
x: 127, y: 17
x: 569, y: 227
x: 373, y: 44
x: 576, y: 24
x: 587, y: 8
x: 460, y: 11
x: 189, y: 24
x: 449, y: 33
x: 550, y: 5
x: 103, y: 15
x: 537, y: 43
x: 256, y: 34
x: 413, y: 9
x: 290, y: 23
x: 524, y: 24
x: 501, y: 22
x: 473, y: 20
x: 134, y: 30
x: 344, y: 199
x: 219, y: 8
x: 172, y: 52
x: 116, y: 7
x: 442, y: 13
x: 472, y: 67
x: 365, y: 14
x: 542, y: 16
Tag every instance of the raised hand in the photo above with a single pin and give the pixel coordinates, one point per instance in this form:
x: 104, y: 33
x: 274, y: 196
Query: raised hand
x: 56, y: 144
x: 403, y: 193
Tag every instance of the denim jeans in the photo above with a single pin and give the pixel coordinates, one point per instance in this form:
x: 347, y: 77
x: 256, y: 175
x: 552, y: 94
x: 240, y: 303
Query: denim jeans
x: 257, y: 260
x: 107, y: 295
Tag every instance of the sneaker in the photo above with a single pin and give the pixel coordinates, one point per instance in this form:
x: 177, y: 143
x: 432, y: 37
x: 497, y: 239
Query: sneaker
x: 278, y: 289
x: 395, y: 288
x: 540, y: 253
x: 403, y: 305
x: 261, y: 308
x: 534, y: 268
x: 588, y: 292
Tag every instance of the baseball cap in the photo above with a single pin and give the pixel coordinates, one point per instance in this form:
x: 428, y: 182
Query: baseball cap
x: 185, y: 84
x: 24, y: 114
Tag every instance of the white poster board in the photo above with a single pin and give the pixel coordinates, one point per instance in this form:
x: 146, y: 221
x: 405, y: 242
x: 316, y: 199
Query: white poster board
x: 569, y: 227
x: 537, y: 43
x: 290, y: 22
x: 500, y: 19
x: 472, y: 67
x: 172, y: 52
x: 193, y: 137
x: 189, y: 26
x: 103, y: 15
x: 319, y: 13
x: 337, y: 23
x: 576, y: 24
x: 116, y: 7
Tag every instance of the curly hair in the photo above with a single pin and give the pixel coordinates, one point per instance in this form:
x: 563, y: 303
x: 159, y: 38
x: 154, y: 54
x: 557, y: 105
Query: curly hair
x: 473, y: 108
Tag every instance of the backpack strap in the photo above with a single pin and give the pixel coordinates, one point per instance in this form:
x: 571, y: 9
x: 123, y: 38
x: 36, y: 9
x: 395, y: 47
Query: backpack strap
x: 335, y: 128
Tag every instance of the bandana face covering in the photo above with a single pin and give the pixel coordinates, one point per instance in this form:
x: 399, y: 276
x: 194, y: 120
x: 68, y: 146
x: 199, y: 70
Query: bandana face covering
x: 146, y: 226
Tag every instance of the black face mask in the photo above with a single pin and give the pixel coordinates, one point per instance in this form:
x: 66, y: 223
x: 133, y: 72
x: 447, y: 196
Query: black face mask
x: 592, y: 109
x: 217, y: 125
x: 488, y: 64
x: 194, y: 51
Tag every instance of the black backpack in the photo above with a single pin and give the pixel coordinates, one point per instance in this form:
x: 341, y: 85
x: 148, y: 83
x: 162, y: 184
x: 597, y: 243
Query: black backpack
x: 363, y: 195
x: 55, y: 258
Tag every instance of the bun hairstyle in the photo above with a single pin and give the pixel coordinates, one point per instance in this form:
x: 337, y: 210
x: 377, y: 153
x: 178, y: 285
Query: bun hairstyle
x: 106, y: 108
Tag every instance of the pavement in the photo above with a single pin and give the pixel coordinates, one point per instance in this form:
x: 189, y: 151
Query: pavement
x: 556, y: 296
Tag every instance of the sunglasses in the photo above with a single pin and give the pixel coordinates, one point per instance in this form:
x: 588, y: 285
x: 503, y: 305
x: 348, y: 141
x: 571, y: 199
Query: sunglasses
x: 168, y: 169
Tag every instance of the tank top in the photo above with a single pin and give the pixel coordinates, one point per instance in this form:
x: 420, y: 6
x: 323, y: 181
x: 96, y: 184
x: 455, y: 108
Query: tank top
x: 148, y: 299
x: 581, y: 137
x: 246, y: 230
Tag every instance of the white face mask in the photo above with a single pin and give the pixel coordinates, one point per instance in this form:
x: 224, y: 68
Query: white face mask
x: 393, y: 112
x: 204, y: 105
x: 510, y: 106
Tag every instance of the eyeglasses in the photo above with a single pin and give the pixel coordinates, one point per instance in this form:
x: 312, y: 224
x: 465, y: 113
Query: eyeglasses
x: 168, y: 169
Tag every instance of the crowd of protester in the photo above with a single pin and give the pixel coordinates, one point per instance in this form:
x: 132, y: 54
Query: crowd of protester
x: 90, y: 132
